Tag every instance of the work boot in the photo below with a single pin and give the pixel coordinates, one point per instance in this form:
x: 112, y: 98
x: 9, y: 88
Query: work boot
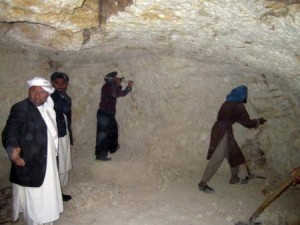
x: 205, y: 188
x: 102, y: 158
x: 66, y: 197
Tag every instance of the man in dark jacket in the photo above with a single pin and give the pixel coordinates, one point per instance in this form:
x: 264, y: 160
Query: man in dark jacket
x: 107, y: 126
x: 222, y: 142
x: 30, y: 140
x: 63, y: 109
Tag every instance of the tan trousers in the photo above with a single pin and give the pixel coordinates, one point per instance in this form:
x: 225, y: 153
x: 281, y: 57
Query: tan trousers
x: 221, y: 152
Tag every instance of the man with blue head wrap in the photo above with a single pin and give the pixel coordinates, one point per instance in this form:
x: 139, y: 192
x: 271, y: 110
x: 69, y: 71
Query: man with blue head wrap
x: 222, y: 143
x: 238, y: 94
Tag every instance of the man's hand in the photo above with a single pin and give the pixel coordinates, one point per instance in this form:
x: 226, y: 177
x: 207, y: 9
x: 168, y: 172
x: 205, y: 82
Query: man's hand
x: 15, y: 157
x: 130, y: 83
x: 296, y: 175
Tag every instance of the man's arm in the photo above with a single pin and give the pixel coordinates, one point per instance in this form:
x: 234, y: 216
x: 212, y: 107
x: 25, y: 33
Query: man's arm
x: 69, y: 118
x: 124, y: 92
x: 10, y: 135
x: 244, y: 118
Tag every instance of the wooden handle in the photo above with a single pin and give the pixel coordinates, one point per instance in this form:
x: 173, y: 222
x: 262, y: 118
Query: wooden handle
x: 272, y: 197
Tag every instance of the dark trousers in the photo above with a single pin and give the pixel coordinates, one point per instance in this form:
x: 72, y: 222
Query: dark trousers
x: 107, y: 134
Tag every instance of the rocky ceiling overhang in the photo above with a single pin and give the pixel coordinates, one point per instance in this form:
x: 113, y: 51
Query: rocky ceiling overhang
x: 77, y: 24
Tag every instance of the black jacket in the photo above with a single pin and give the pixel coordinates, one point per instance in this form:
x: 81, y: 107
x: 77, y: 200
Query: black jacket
x: 25, y: 128
x: 63, y: 105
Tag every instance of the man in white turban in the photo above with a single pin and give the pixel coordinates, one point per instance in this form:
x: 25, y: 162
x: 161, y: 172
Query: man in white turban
x: 30, y: 140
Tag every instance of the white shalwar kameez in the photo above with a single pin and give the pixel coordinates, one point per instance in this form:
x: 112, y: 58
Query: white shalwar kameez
x: 42, y: 205
x: 64, y: 158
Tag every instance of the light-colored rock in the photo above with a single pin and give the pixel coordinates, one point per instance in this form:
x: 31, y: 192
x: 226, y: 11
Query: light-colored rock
x: 184, y: 57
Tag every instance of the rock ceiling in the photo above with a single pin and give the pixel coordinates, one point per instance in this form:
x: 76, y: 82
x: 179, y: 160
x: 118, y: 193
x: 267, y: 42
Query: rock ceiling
x: 75, y: 24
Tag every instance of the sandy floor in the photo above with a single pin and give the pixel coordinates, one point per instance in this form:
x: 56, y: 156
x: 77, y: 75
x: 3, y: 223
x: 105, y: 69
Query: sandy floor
x: 177, y: 203
x: 112, y: 193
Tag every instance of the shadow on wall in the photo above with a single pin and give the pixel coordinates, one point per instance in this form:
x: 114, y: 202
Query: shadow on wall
x: 106, y: 8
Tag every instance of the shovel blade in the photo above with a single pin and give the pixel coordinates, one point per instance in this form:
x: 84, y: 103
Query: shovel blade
x: 247, y: 223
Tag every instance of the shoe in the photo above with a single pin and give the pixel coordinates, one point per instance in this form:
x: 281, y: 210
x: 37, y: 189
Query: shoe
x: 234, y: 180
x: 244, y: 180
x: 102, y: 158
x: 66, y: 197
x: 206, y: 188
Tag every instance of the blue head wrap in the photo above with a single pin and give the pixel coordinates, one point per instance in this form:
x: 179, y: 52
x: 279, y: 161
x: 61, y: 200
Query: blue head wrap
x: 238, y: 94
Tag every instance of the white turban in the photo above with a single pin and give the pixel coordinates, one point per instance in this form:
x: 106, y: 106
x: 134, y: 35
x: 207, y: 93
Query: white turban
x: 42, y: 82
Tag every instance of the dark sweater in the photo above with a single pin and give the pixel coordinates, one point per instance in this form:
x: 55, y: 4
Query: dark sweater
x: 63, y: 106
x: 109, y: 93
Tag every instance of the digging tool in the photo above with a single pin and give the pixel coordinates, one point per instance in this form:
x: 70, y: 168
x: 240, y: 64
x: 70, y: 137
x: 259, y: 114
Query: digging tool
x: 250, y: 175
x: 275, y: 194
